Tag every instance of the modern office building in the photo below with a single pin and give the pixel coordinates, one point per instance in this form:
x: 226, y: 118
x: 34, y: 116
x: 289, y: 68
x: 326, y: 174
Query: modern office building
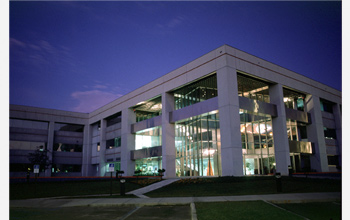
x: 225, y: 113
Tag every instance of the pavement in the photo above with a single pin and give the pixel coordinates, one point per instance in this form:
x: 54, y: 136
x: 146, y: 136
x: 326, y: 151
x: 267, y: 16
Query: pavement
x: 144, y: 201
x: 274, y: 198
x: 140, y: 192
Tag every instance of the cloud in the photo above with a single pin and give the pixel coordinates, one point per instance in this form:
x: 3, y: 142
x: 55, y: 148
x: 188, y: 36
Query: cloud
x: 177, y: 21
x: 99, y: 86
x: 91, y: 100
x: 15, y: 42
x: 39, y: 53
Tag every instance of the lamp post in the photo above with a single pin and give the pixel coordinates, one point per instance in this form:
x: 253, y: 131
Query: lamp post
x: 122, y: 182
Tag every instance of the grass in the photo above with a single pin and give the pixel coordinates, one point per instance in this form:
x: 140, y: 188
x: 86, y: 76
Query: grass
x: 318, y: 211
x: 67, y: 188
x: 90, y: 213
x: 223, y: 186
x: 102, y: 213
x: 252, y: 210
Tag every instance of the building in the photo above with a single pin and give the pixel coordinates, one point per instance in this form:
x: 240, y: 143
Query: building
x: 225, y: 113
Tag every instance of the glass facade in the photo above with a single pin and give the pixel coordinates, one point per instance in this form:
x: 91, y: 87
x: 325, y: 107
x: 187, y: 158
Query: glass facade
x: 195, y: 92
x: 147, y: 138
x: 257, y: 143
x: 293, y: 99
x: 252, y: 88
x: 149, y: 166
x: 198, y: 146
x: 148, y: 109
x: 115, y: 142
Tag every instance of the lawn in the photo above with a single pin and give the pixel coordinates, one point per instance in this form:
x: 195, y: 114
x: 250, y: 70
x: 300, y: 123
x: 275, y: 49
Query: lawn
x: 69, y: 188
x: 252, y: 210
x: 223, y: 186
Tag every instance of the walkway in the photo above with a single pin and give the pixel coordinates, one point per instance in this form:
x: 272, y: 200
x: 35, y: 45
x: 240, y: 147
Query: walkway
x: 154, y: 186
x: 275, y: 198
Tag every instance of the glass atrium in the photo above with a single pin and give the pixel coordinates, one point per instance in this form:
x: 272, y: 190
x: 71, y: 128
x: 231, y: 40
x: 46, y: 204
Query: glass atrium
x: 198, y: 146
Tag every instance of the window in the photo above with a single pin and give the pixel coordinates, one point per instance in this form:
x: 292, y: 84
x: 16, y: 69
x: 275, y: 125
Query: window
x: 147, y: 138
x: 333, y: 160
x: 195, y: 92
x: 114, y: 119
x: 329, y: 133
x: 65, y: 168
x: 60, y: 147
x: 148, y: 109
x: 252, y: 88
x: 293, y: 99
x: 112, y: 143
x: 326, y: 106
x: 69, y: 127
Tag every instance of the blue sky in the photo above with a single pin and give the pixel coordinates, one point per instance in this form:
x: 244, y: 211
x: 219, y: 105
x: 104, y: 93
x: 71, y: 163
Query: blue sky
x: 78, y: 56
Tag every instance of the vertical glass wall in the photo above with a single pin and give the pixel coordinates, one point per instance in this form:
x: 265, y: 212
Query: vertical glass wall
x: 147, y: 138
x: 149, y: 166
x: 257, y: 143
x: 198, y: 91
x: 252, y: 88
x: 296, y: 131
x: 148, y: 109
x: 293, y: 99
x: 198, y: 146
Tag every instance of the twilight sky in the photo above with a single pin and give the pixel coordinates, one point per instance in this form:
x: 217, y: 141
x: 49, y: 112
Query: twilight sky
x: 78, y: 56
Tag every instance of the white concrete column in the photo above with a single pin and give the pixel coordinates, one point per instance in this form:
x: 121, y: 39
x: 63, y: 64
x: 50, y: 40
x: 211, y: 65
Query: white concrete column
x: 168, y: 136
x: 231, y: 145
x: 315, y: 134
x: 279, y: 128
x: 102, y: 164
x: 338, y: 126
x: 86, y: 166
x: 128, y: 142
x: 50, y: 142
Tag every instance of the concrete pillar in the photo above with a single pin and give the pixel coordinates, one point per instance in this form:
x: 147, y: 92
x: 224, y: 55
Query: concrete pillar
x: 50, y: 142
x: 86, y: 166
x: 168, y: 136
x: 102, y: 164
x: 315, y: 133
x: 279, y: 128
x: 338, y: 127
x: 231, y: 145
x: 128, y: 142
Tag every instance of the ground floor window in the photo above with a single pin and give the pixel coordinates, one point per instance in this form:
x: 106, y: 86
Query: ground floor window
x: 259, y: 164
x: 65, y: 168
x: 198, y: 146
x: 149, y: 166
x: 257, y: 143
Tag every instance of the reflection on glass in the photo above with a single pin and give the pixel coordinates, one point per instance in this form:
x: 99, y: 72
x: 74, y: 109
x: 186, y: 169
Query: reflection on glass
x: 195, y: 92
x: 151, y: 137
x: 252, y: 88
x: 257, y: 143
x: 293, y: 99
x: 149, y: 166
x: 198, y: 146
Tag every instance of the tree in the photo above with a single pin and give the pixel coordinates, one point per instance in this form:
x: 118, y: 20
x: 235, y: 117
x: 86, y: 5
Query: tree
x: 41, y: 158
